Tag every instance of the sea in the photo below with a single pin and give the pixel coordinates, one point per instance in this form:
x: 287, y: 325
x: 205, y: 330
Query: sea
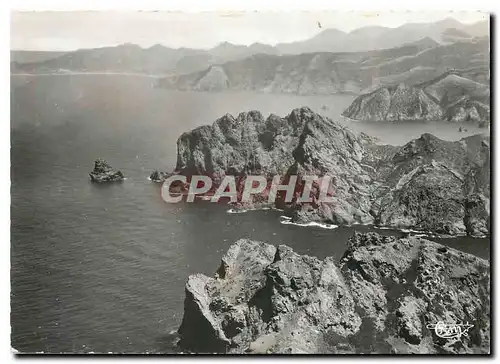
x: 102, y: 268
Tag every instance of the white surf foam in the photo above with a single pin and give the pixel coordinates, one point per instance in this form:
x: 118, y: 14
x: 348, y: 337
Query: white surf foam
x: 235, y: 211
x: 288, y: 221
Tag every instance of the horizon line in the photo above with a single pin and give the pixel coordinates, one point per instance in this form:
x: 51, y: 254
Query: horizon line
x: 241, y: 44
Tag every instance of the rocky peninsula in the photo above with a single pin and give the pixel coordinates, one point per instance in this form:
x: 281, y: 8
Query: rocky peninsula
x: 428, y: 184
x: 451, y: 97
x: 384, y: 296
x: 103, y: 172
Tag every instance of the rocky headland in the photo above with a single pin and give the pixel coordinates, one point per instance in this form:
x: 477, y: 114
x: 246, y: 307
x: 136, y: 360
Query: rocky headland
x: 428, y: 185
x: 382, y: 297
x: 103, y: 172
x: 451, y: 97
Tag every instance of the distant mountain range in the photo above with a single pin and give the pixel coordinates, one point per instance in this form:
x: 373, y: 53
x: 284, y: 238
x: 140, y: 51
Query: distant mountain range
x: 33, y: 56
x: 156, y: 60
x: 329, y: 73
x: 459, y: 96
x: 161, y: 60
x: 377, y: 37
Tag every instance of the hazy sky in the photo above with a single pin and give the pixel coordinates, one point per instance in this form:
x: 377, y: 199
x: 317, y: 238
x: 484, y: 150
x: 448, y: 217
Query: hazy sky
x: 73, y: 30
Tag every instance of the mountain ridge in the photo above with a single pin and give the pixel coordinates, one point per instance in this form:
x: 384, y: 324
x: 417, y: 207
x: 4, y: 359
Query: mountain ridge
x: 162, y: 60
x: 379, y: 37
x: 343, y: 72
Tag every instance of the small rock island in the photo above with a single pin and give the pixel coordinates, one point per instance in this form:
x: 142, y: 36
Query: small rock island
x: 103, y: 172
x: 157, y: 176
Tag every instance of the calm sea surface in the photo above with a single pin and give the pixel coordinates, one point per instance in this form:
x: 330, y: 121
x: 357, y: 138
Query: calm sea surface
x: 101, y: 268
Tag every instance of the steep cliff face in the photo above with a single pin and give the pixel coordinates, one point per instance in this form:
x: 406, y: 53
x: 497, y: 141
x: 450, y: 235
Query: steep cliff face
x: 378, y: 299
x: 451, y: 97
x: 428, y: 184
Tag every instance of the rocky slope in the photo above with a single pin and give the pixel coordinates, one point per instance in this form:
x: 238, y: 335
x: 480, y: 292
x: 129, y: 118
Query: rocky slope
x: 451, y: 96
x: 329, y: 73
x: 452, y: 35
x: 428, y: 184
x: 378, y: 299
x: 431, y: 187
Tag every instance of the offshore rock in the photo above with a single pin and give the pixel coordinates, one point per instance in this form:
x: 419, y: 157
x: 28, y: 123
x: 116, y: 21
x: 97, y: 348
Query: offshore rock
x: 157, y: 176
x: 103, y: 172
x: 378, y: 299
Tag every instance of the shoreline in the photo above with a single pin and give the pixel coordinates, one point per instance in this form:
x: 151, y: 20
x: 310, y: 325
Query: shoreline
x: 286, y: 220
x: 87, y: 73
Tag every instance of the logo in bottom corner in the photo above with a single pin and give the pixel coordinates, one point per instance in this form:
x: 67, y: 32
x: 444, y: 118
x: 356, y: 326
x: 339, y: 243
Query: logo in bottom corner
x: 450, y: 331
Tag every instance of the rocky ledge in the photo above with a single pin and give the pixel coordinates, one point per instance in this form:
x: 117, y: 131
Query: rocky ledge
x: 380, y: 298
x: 429, y: 184
x: 103, y: 172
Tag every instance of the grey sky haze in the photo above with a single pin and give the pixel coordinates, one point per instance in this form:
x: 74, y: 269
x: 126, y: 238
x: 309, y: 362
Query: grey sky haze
x: 72, y: 30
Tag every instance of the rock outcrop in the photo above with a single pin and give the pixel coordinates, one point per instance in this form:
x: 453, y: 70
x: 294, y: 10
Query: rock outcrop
x: 103, y: 172
x: 395, y: 103
x: 430, y: 187
x: 380, y: 298
x: 428, y: 184
x: 451, y: 97
x: 157, y: 176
